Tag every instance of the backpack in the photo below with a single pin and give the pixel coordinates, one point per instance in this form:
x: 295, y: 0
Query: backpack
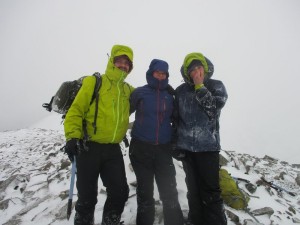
x: 232, y: 195
x: 65, y: 95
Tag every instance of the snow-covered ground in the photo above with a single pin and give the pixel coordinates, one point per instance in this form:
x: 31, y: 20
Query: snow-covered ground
x: 35, y: 179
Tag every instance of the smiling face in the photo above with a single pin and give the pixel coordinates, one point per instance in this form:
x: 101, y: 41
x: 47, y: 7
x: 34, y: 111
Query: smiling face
x: 123, y: 63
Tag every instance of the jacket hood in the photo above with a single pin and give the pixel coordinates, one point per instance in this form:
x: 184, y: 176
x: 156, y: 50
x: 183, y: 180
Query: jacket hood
x: 207, y: 64
x: 157, y: 65
x: 113, y: 72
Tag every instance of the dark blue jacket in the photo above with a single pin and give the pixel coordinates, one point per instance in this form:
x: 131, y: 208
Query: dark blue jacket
x: 197, y: 114
x: 153, y: 105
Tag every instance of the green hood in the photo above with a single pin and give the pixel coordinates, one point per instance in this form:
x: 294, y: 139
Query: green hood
x: 113, y: 72
x: 113, y: 106
x: 189, y: 58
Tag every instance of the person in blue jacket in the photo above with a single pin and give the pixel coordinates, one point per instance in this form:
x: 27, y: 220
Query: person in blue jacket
x: 198, y: 104
x: 150, y: 147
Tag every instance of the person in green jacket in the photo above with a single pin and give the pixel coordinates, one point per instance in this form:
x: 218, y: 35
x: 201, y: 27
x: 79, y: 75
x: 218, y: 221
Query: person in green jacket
x: 101, y: 153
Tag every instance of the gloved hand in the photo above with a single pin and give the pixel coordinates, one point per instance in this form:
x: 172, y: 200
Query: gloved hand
x: 178, y: 154
x: 71, y: 148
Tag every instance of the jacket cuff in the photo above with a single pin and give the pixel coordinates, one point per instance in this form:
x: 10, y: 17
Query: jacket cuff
x: 198, y: 86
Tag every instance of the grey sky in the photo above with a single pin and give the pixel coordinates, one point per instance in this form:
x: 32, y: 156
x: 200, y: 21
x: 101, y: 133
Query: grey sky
x: 254, y: 46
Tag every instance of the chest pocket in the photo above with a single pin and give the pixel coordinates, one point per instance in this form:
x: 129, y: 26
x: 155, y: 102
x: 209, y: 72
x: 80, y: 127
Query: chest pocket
x: 114, y: 101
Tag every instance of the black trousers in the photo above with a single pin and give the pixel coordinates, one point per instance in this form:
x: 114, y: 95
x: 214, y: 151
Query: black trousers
x: 149, y: 162
x: 107, y: 161
x: 204, y: 194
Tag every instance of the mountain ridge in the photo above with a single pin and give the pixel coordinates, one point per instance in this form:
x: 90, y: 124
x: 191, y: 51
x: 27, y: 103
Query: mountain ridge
x: 35, y: 179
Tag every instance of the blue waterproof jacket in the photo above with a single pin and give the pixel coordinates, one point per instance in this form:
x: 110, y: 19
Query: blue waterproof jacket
x: 153, y: 105
x: 197, y: 112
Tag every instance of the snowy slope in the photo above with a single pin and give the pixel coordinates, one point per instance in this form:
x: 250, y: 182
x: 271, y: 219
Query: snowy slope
x: 35, y: 178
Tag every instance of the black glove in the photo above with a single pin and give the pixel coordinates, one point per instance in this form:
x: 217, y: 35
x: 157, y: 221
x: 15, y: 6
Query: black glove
x: 71, y: 148
x: 178, y: 154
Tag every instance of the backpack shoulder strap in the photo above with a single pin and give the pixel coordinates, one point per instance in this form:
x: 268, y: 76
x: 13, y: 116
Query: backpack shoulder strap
x: 96, y: 96
x: 97, y: 87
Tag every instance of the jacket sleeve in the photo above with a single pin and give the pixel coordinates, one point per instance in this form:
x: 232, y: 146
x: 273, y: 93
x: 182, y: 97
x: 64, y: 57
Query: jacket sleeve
x: 175, y: 117
x: 212, y: 97
x: 134, y: 100
x: 80, y: 105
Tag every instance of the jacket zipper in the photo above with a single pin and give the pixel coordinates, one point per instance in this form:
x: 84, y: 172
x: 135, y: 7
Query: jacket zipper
x: 158, y: 107
x: 118, y: 108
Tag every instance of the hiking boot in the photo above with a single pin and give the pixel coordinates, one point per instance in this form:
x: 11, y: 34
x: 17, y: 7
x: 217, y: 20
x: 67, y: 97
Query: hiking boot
x: 111, y: 218
x: 83, y: 219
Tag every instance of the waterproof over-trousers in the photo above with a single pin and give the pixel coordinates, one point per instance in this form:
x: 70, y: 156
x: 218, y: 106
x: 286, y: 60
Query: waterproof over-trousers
x: 107, y: 161
x: 204, y: 194
x: 149, y: 162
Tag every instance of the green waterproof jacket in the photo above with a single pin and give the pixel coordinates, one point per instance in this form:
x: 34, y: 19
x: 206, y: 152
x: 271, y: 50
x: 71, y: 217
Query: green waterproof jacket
x: 113, y: 107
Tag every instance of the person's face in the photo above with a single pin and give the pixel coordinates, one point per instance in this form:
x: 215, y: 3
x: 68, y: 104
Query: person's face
x: 123, y: 64
x: 159, y: 75
x: 196, y: 71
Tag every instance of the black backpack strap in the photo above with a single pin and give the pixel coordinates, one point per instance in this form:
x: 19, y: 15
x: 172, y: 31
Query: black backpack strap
x: 98, y: 83
x: 96, y: 97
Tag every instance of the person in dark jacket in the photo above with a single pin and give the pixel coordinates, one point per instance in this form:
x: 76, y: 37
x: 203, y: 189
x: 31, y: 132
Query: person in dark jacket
x: 198, y: 104
x: 150, y: 148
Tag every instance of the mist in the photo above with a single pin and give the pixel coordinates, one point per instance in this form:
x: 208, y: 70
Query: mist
x: 254, y: 46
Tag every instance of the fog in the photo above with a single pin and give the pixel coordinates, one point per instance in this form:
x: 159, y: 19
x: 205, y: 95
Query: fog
x: 254, y: 46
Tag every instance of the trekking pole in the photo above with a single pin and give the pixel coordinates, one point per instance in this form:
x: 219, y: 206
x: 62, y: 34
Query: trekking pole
x: 73, y: 171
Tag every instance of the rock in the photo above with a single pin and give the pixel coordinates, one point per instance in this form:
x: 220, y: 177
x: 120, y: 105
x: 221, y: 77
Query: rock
x: 17, y: 180
x: 133, y: 183
x: 270, y: 159
x: 61, y: 213
x: 64, y: 164
x: 4, y: 204
x: 281, y: 175
x: 263, y: 211
x: 250, y: 222
x: 284, y: 163
x: 251, y: 187
x: 130, y: 167
x: 292, y: 209
x: 46, y: 167
x: 248, y: 168
x: 233, y: 217
x: 295, y: 220
x: 298, y: 179
x: 14, y: 221
x: 296, y: 166
x: 103, y: 191
x: 222, y: 160
x: 52, y: 154
x: 64, y: 194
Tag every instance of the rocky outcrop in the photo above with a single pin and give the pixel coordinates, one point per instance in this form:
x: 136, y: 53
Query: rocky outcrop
x: 35, y: 179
